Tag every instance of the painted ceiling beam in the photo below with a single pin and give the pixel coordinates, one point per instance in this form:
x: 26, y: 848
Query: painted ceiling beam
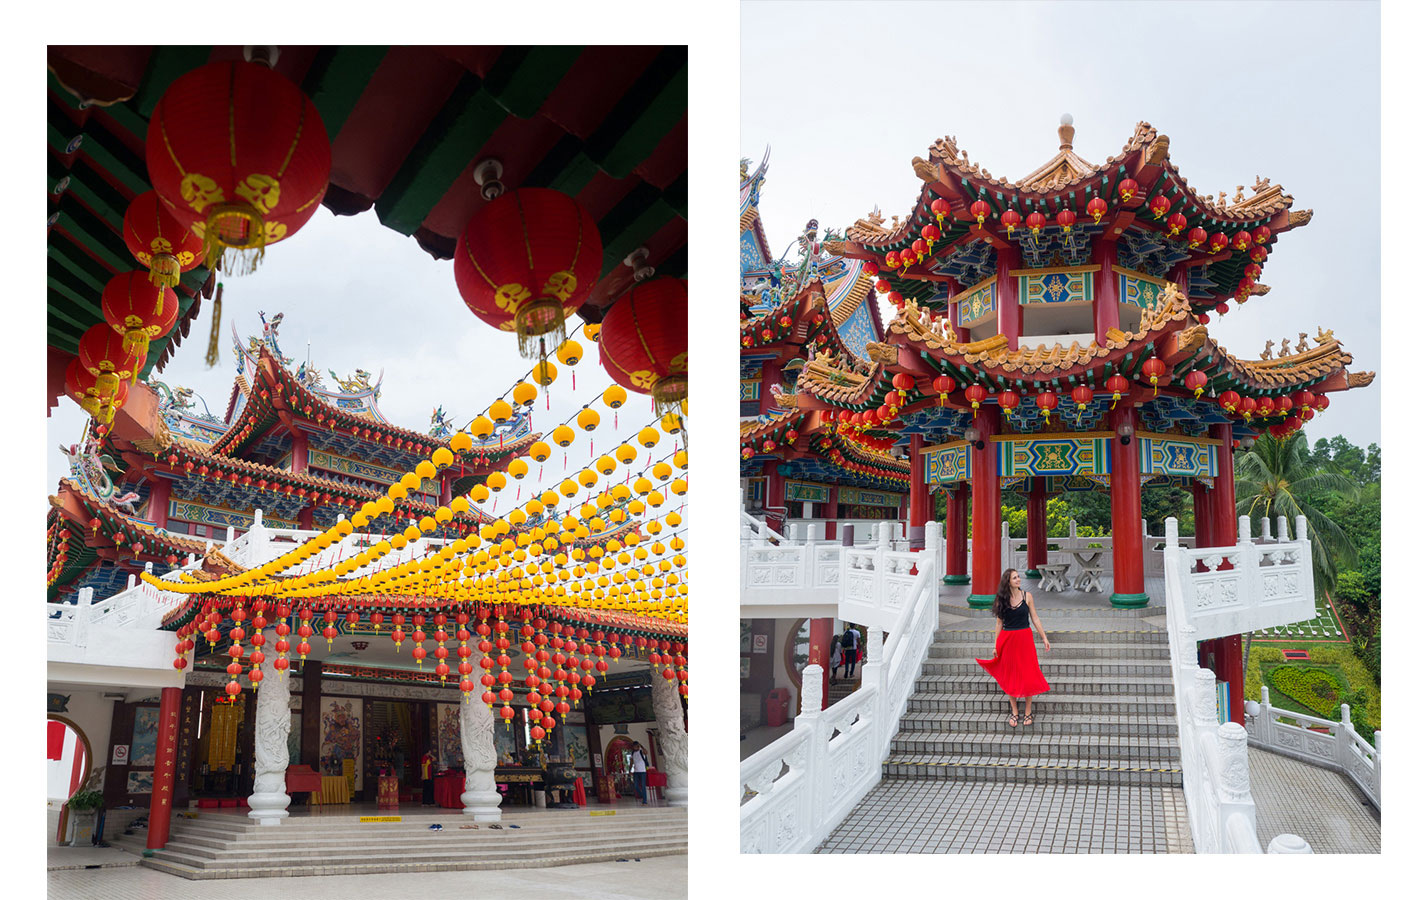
x: 337, y: 79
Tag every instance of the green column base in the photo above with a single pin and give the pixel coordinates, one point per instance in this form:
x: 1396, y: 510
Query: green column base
x: 981, y: 601
x: 1032, y: 573
x: 1130, y: 601
x: 148, y: 853
x: 956, y: 579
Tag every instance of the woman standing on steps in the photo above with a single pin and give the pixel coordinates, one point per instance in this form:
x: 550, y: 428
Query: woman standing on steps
x: 1015, y: 662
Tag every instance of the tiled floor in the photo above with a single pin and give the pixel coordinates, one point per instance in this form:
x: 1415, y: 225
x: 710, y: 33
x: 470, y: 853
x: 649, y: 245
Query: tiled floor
x: 658, y: 878
x: 984, y: 817
x: 84, y: 857
x: 1318, y: 805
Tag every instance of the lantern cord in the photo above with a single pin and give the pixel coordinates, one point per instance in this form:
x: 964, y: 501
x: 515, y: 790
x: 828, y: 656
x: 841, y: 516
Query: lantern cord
x: 213, y: 353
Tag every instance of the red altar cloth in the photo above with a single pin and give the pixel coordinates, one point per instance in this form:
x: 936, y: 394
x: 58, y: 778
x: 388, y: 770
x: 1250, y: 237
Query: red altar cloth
x: 388, y: 792
x: 447, y: 790
x: 579, y: 793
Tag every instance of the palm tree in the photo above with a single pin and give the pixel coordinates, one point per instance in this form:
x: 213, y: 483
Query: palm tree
x: 1278, y: 477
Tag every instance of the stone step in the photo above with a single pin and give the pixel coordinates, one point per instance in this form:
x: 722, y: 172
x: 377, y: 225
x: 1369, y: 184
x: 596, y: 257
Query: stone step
x: 1086, y: 651
x: 1058, y: 637
x: 273, y: 842
x: 1022, y: 744
x: 366, y: 866
x: 1049, y: 703
x: 1054, y: 666
x: 995, y: 721
x: 1102, y: 611
x: 1036, y: 770
x: 1147, y: 686
x: 321, y: 825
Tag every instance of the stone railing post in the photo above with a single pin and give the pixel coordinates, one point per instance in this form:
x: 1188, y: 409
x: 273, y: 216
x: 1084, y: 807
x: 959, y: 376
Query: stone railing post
x: 1343, y: 740
x: 83, y: 610
x: 1301, y: 529
x: 1233, y: 779
x: 848, y: 535
x: 1264, y: 529
x: 1073, y: 531
x: 1289, y: 843
x: 1266, y: 718
x: 1283, y: 529
x: 257, y: 540
x: 1173, y: 533
x: 935, y: 545
x: 1378, y: 763
x: 1144, y: 533
x: 268, y: 800
x: 1005, y: 551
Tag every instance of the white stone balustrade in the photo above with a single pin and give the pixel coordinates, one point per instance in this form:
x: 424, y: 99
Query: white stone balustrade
x: 801, y: 786
x: 1319, y: 742
x: 1214, y: 757
x: 1247, y: 587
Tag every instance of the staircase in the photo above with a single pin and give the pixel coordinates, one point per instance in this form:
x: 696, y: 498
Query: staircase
x: 228, y: 846
x: 1108, y: 723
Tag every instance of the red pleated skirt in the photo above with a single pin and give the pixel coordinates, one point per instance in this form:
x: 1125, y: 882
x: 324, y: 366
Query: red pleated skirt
x: 1015, y: 664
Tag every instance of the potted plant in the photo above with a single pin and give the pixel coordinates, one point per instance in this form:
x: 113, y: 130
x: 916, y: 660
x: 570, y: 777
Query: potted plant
x: 84, y: 806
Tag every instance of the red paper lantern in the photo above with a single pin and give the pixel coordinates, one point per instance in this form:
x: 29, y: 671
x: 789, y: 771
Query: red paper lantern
x: 1159, y: 206
x: 870, y: 269
x: 1097, y: 208
x: 1196, y: 237
x: 980, y: 211
x: 1218, y: 241
x: 1154, y: 370
x: 159, y: 241
x: 893, y: 260
x: 1009, y: 401
x: 1241, y: 241
x: 1011, y: 220
x: 1082, y: 396
x: 941, y: 208
x: 1127, y: 189
x: 1067, y: 218
x: 526, y: 261
x: 138, y: 309
x: 644, y: 342
x: 1229, y: 401
x: 907, y: 257
x: 1036, y: 222
x: 1174, y: 223
x: 1262, y: 234
x: 1047, y: 401
x: 81, y: 386
x: 921, y: 248
x: 1118, y: 385
x: 975, y: 394
x: 1196, y: 381
x: 903, y: 382
x: 106, y: 356
x: 1304, y: 399
x: 240, y: 156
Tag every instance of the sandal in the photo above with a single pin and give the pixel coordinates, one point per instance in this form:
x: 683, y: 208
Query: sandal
x: 1013, y: 720
x: 1028, y: 719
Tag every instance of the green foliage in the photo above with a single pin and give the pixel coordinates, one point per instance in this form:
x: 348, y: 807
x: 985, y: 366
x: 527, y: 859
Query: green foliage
x: 1313, y: 687
x: 86, y: 801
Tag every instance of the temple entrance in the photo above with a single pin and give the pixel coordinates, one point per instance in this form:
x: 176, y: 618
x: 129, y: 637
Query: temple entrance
x: 392, y: 746
x: 221, y: 752
x: 70, y: 762
x: 617, y: 765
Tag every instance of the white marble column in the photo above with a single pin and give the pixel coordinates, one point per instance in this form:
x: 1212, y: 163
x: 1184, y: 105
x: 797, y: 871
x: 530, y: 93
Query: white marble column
x: 269, y: 802
x: 673, y: 739
x: 480, y: 798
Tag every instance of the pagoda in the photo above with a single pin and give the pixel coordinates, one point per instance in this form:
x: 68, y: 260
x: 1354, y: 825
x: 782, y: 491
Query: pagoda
x: 796, y: 316
x: 1052, y: 334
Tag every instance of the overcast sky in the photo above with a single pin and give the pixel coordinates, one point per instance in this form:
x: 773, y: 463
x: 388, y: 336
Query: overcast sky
x: 367, y: 297
x: 848, y: 93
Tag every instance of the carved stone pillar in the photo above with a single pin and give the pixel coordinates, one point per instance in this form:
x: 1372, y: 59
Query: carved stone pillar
x: 673, y: 738
x: 269, y: 800
x: 480, y: 798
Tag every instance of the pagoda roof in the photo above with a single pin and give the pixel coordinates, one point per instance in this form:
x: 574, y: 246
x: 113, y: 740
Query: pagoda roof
x: 77, y: 504
x: 607, y: 125
x: 964, y: 252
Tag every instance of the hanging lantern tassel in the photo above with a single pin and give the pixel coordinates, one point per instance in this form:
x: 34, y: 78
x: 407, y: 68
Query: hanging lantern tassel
x: 213, y: 356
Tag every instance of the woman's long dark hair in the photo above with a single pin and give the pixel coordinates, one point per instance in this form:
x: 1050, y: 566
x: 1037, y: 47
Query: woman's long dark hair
x: 1004, y: 594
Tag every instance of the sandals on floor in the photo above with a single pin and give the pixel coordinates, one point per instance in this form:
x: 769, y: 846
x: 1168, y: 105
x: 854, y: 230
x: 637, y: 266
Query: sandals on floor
x: 1028, y: 719
x: 1013, y: 720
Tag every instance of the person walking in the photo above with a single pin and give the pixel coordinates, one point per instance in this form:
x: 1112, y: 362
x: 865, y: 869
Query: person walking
x: 836, y: 656
x: 638, y: 766
x: 850, y: 646
x: 1015, y: 662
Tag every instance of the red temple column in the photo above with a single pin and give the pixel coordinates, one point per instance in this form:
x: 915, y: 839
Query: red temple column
x: 1128, y: 565
x: 987, y: 516
x: 158, y: 497
x: 1229, y: 650
x: 775, y: 504
x: 829, y: 513
x: 445, y: 490
x: 1200, y: 508
x: 1006, y: 287
x: 160, y: 804
x: 299, y: 451
x: 1106, y: 312
x: 819, y: 649
x: 770, y: 375
x: 919, y: 493
x: 956, y: 542
x: 1037, y: 527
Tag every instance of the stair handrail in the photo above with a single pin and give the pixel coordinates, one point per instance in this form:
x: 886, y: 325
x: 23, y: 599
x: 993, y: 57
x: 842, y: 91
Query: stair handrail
x: 759, y: 527
x: 1319, y: 742
x: 1215, y: 765
x: 799, y: 788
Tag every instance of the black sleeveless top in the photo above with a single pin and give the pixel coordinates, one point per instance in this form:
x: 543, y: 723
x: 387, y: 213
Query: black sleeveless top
x: 1016, y: 618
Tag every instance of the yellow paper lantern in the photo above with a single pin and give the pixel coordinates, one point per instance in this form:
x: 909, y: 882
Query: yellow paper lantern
x: 427, y: 523
x: 679, y: 486
x: 587, y: 478
x: 424, y: 469
x: 479, y: 493
x: 539, y: 451
x: 592, y: 332
x: 480, y: 428
x: 614, y: 396
x: 588, y: 419
x: 648, y: 437
x: 550, y: 498
x: 626, y: 454
x: 569, y: 488
x: 671, y: 423
x: 569, y: 353
x: 460, y: 442
x: 544, y: 372
x: 563, y: 436
x: 397, y: 491
x: 496, y: 481
x: 518, y: 468
x: 459, y: 505
x: 681, y: 459
x: 524, y: 394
